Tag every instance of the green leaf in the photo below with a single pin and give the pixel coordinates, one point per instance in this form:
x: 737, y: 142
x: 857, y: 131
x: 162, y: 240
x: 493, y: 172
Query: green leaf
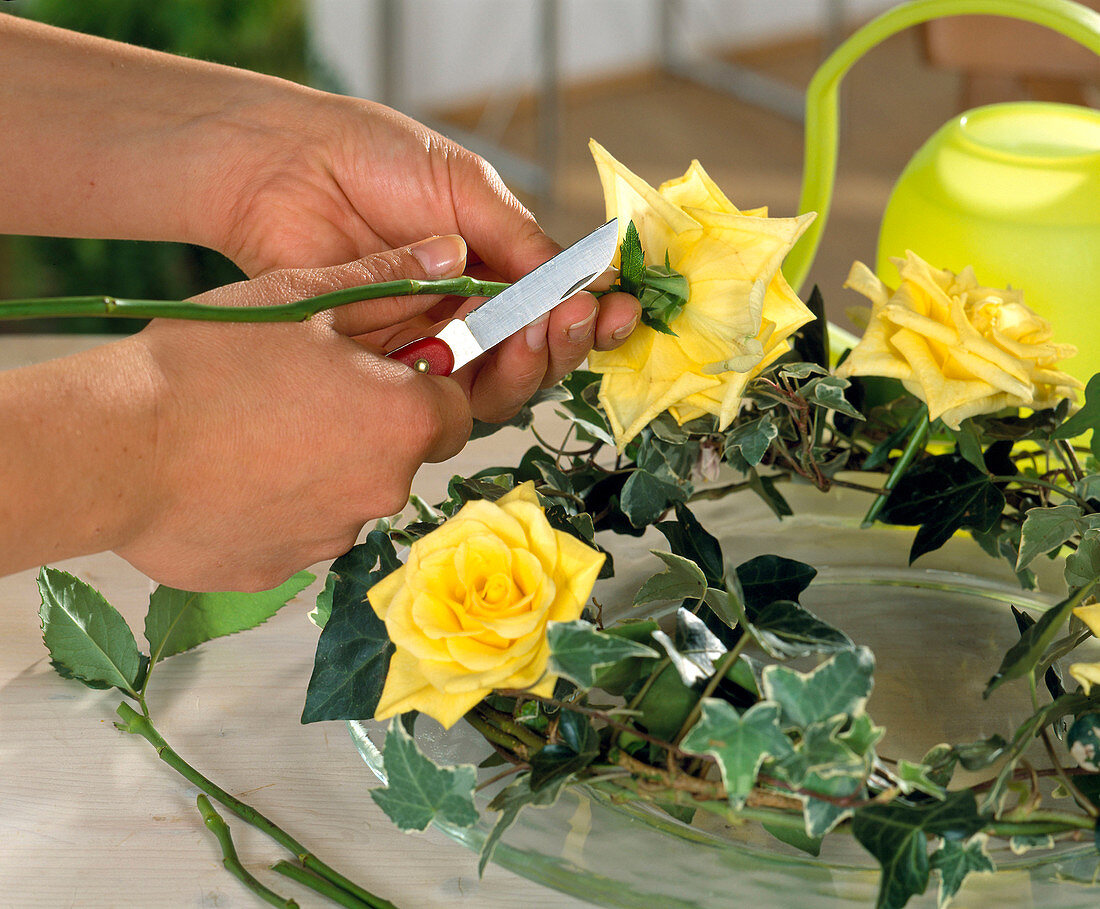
x: 767, y: 578
x: 764, y: 487
x: 578, y: 746
x: 942, y: 494
x: 179, y: 620
x: 666, y: 704
x: 914, y: 777
x: 354, y: 649
x: 418, y: 791
x: 1083, y: 565
x: 631, y: 261
x: 828, y: 391
x: 840, y: 685
x: 579, y: 651
x: 896, y: 835
x: 795, y: 836
x: 322, y: 609
x: 789, y: 630
x: 509, y: 802
x: 88, y: 639
x: 752, y: 439
x: 694, y: 651
x: 1045, y: 529
x: 739, y: 743
x: 1088, y: 417
x: 1025, y: 654
x: 682, y: 579
x: 688, y: 538
x: 645, y: 497
x: 954, y: 860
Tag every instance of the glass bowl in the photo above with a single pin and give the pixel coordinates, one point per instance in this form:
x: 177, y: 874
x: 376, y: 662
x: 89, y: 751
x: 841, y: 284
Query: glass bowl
x: 938, y: 630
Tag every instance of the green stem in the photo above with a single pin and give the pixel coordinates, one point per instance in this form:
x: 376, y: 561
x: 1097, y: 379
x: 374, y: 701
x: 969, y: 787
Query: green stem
x: 508, y: 725
x: 137, y: 724
x: 822, y: 96
x: 296, y: 311
x: 318, y: 884
x: 729, y: 658
x: 496, y: 736
x: 1043, y: 484
x: 917, y: 435
x: 231, y: 862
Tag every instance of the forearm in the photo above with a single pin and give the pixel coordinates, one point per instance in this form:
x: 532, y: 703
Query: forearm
x: 102, y: 139
x: 76, y: 454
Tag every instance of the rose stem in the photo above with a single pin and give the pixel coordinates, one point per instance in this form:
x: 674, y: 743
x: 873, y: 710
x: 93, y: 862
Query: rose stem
x: 231, y: 862
x: 136, y: 724
x: 297, y: 311
x: 320, y: 885
x: 917, y: 435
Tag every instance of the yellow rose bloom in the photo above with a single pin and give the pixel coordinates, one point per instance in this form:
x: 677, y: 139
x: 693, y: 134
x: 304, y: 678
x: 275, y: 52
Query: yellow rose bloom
x: 961, y: 348
x: 739, y: 313
x: 468, y: 610
x: 1088, y: 674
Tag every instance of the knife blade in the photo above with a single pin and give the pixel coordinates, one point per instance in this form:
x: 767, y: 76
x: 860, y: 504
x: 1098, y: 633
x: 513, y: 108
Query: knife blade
x: 462, y: 340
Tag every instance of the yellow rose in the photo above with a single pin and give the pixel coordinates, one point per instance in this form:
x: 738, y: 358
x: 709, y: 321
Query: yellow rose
x: 468, y: 610
x: 961, y: 348
x: 1088, y: 674
x: 739, y: 312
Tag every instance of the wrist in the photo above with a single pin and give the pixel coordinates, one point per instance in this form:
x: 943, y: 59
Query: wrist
x: 78, y: 455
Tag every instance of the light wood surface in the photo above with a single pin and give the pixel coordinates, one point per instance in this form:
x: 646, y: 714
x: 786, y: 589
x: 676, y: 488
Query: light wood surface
x: 90, y: 818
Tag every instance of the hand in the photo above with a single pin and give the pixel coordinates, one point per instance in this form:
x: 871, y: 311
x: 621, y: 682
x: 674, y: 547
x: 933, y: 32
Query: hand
x: 360, y: 178
x: 277, y: 442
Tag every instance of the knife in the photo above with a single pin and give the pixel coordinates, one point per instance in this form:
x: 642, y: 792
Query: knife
x: 499, y: 317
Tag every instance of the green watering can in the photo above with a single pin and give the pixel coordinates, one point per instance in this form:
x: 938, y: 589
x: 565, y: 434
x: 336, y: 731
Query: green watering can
x: 1011, y: 189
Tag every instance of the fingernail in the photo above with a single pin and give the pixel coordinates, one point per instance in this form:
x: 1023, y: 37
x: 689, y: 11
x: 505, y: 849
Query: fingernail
x: 624, y: 332
x: 578, y: 331
x: 536, y: 333
x: 440, y: 256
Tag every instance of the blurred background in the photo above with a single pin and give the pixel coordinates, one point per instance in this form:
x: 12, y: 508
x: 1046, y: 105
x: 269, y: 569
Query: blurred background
x: 528, y: 82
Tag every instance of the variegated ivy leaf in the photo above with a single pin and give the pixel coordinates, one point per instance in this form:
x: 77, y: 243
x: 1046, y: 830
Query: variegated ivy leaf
x: 840, y: 685
x: 695, y: 650
x: 1083, y: 564
x: 740, y: 743
x: 1045, y: 529
x: 913, y: 777
x: 681, y: 579
x: 418, y: 791
x: 579, y: 651
x: 955, y: 860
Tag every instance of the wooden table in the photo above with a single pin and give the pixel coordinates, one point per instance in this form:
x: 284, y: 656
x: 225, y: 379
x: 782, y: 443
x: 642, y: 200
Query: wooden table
x: 90, y: 818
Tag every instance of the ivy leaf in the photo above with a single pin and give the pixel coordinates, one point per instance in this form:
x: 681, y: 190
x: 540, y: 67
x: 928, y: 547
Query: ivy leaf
x: 666, y: 704
x: 828, y: 391
x: 1045, y: 529
x: 789, y: 630
x: 751, y: 440
x: 896, y: 835
x: 840, y: 685
x: 578, y: 746
x: 688, y: 538
x: 955, y: 860
x: 740, y: 743
x: 1088, y: 417
x: 179, y: 620
x: 645, y: 497
x: 682, y: 579
x: 509, y: 802
x: 418, y: 791
x: 695, y: 650
x: 322, y: 609
x: 1083, y: 565
x: 88, y: 639
x: 354, y: 649
x: 1026, y: 653
x: 580, y: 652
x: 942, y: 494
x: 590, y: 422
x: 768, y: 578
x: 913, y: 777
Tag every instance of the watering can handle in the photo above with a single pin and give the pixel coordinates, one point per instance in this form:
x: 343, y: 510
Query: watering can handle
x: 822, y: 105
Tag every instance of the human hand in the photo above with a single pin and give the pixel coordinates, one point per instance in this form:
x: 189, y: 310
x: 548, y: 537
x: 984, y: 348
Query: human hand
x: 276, y: 442
x: 361, y: 178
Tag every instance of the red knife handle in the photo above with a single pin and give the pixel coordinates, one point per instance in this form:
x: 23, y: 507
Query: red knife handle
x: 429, y: 355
